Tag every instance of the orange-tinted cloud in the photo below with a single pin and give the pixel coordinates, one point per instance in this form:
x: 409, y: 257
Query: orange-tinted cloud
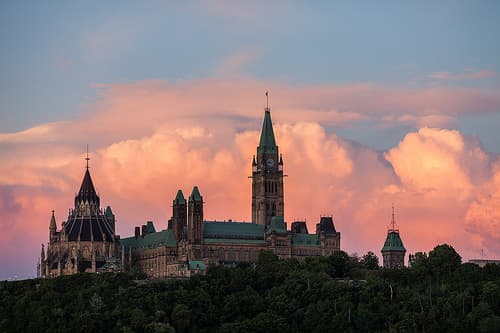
x: 148, y: 139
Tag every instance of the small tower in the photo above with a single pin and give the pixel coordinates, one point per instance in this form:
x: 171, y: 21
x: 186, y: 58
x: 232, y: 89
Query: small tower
x: 393, y: 252
x: 110, y: 217
x: 52, y: 229
x: 179, y: 215
x: 195, y: 217
x: 195, y: 224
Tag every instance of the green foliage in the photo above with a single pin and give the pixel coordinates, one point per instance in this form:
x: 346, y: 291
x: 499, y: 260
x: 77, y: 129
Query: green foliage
x: 320, y: 294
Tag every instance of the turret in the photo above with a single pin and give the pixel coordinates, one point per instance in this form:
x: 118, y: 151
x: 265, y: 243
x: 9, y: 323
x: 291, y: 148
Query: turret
x: 110, y: 217
x: 42, y: 255
x: 393, y: 252
x: 179, y: 215
x: 195, y: 217
x: 52, y: 229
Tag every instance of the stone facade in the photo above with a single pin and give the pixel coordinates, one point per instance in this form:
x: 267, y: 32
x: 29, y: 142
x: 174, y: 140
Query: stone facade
x: 86, y: 241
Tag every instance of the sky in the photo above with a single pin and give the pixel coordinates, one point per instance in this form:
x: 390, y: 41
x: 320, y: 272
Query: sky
x: 373, y: 104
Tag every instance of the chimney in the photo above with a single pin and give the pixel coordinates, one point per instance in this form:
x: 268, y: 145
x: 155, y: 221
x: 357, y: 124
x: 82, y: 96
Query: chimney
x: 137, y: 232
x: 144, y: 231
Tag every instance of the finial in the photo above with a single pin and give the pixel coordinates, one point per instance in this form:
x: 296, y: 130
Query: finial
x: 87, y: 158
x: 267, y: 100
x: 393, y: 222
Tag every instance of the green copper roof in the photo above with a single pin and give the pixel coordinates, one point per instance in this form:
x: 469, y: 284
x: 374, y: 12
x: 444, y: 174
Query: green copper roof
x: 195, y: 195
x: 305, y: 240
x: 277, y: 225
x: 234, y: 241
x: 179, y: 198
x: 232, y: 230
x: 267, y: 134
x: 150, y: 241
x: 197, y: 264
x: 393, y: 242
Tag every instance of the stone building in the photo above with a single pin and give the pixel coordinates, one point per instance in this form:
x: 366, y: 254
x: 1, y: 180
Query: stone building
x: 393, y: 252
x: 87, y: 241
x: 191, y: 242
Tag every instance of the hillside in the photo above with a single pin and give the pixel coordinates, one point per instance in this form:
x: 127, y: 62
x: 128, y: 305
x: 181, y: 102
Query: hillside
x: 337, y: 293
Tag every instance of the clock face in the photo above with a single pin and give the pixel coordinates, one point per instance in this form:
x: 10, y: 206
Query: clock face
x: 270, y: 162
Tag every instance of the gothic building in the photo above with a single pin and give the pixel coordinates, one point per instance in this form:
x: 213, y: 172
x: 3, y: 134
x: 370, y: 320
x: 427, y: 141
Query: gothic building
x: 393, y: 252
x: 86, y: 241
x: 190, y: 243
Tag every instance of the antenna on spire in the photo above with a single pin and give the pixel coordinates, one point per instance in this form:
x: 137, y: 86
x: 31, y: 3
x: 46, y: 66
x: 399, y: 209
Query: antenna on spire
x: 87, y: 158
x: 267, y: 100
x: 393, y: 220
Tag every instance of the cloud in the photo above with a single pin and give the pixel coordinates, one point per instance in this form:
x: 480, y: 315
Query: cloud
x: 466, y: 75
x: 150, y: 138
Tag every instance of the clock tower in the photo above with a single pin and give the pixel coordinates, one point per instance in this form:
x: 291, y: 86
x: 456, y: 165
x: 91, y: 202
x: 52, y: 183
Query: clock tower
x: 267, y: 176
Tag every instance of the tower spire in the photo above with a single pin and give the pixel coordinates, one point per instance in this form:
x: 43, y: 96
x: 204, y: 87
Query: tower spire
x: 393, y: 221
x: 267, y: 100
x: 87, y: 159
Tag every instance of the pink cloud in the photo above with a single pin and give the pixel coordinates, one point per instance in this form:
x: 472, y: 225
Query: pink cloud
x: 150, y: 138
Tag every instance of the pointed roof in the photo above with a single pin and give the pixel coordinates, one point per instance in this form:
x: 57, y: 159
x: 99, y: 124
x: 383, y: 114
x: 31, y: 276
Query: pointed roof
x: 195, y: 195
x: 53, y: 224
x: 267, y: 134
x: 87, y: 190
x: 179, y: 198
x: 87, y: 187
x: 108, y: 212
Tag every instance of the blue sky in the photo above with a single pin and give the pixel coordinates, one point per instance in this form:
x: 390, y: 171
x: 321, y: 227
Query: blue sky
x: 54, y: 53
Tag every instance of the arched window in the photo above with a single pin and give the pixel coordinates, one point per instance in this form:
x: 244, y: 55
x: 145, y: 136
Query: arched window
x: 220, y: 254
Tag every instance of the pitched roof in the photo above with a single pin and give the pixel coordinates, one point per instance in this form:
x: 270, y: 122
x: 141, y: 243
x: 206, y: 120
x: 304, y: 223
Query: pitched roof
x: 150, y: 241
x: 267, y: 134
x: 305, y: 240
x: 326, y: 225
x: 393, y: 242
x: 232, y: 230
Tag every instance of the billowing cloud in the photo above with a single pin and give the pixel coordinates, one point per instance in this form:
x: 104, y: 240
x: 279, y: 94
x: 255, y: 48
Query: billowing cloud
x: 149, y: 139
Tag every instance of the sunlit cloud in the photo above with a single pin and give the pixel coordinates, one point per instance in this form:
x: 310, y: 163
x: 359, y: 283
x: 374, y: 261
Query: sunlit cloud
x: 150, y: 138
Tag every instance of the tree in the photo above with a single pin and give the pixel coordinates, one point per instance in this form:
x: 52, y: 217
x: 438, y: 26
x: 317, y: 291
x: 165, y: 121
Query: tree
x: 443, y: 259
x: 370, y: 261
x: 181, y: 317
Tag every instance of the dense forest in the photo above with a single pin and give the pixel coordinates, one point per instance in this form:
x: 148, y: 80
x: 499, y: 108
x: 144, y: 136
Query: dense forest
x: 339, y: 293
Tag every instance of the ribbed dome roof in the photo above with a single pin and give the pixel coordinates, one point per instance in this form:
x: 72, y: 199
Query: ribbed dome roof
x: 87, y: 222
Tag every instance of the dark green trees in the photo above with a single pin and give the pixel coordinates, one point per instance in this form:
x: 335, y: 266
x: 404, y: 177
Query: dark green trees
x: 322, y: 294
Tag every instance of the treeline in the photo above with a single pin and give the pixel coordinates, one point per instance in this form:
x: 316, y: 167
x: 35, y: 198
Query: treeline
x: 325, y: 294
